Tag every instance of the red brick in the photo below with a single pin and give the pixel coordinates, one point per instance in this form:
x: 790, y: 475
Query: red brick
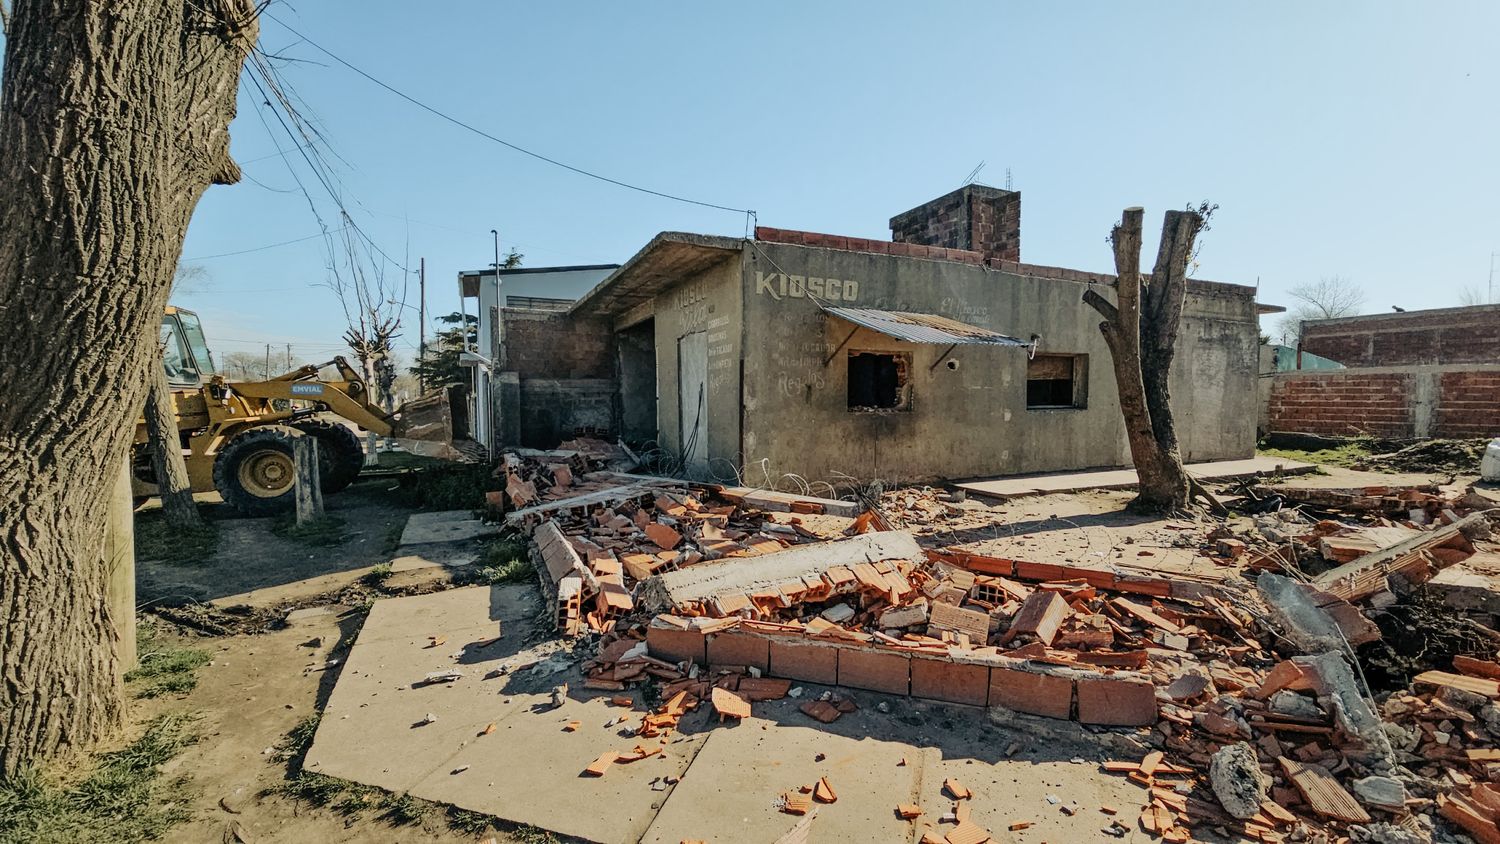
x: 1031, y: 692
x: 1118, y: 701
x: 735, y: 648
x: 954, y: 682
x: 875, y: 670
x: 676, y: 645
x: 805, y: 661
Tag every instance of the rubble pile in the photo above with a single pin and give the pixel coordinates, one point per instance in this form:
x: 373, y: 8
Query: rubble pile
x: 1253, y: 698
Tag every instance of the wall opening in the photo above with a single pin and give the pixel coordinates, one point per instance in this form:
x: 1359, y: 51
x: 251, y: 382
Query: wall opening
x: 636, y: 360
x: 879, y: 381
x: 1056, y: 381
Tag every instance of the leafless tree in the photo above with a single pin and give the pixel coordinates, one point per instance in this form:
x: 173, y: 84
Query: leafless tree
x: 114, y: 119
x: 372, y: 311
x: 1140, y: 328
x: 1471, y: 296
x: 1329, y: 297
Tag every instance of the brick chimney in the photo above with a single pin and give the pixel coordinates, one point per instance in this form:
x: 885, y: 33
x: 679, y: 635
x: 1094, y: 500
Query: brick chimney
x: 974, y: 217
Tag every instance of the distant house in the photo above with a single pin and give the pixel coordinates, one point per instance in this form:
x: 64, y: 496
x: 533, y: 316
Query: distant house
x: 534, y: 291
x: 936, y: 354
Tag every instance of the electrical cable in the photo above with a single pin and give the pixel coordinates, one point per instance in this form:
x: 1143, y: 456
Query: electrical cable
x: 260, y: 248
x: 480, y: 132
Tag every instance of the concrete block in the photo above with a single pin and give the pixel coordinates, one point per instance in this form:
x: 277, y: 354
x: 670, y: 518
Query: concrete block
x: 954, y: 682
x: 1034, y: 693
x: 1116, y: 701
x: 875, y: 670
x: 735, y: 648
x: 677, y: 645
x: 806, y: 661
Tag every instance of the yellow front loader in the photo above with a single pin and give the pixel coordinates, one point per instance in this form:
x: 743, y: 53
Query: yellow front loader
x: 238, y: 435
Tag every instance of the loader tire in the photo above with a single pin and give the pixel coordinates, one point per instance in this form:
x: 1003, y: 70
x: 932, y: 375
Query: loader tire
x: 340, y: 453
x: 255, y: 473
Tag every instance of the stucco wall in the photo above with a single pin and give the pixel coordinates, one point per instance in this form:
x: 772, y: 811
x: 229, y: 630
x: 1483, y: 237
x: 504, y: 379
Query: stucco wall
x: 710, y: 302
x: 973, y: 420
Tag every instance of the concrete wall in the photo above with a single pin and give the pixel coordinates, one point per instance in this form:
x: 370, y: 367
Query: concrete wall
x: 973, y: 420
x: 709, y: 302
x: 1441, y: 336
x: 1396, y: 402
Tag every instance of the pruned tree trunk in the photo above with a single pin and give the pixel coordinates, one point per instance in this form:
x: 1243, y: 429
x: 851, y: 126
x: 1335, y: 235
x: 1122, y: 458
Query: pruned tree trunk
x: 165, y: 442
x: 114, y: 118
x: 1141, y: 330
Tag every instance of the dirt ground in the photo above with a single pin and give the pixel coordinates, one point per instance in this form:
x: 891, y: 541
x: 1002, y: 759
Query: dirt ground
x: 259, y: 687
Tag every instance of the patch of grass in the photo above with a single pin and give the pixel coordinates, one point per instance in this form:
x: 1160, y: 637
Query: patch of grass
x: 123, y: 799
x: 505, y: 561
x: 298, y: 739
x: 404, y: 809
x: 156, y: 540
x: 469, y: 823
x: 532, y: 835
x: 1346, y: 455
x: 320, y: 532
x: 377, y: 574
x: 317, y: 789
x: 164, y: 669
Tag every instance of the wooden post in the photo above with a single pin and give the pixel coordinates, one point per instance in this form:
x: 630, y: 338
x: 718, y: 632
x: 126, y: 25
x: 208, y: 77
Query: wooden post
x: 119, y: 555
x: 309, y: 489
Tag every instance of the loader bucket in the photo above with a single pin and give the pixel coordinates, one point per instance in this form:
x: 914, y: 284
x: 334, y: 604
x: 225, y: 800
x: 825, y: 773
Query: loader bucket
x: 425, y: 426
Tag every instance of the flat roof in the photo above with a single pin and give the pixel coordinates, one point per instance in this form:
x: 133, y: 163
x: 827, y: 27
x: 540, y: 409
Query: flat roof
x: 1400, y: 315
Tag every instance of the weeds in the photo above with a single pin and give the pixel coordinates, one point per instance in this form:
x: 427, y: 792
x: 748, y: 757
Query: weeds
x: 377, y: 574
x: 320, y: 532
x: 293, y: 746
x: 505, y: 561
x: 156, y: 540
x: 164, y: 669
x: 467, y: 822
x: 123, y: 799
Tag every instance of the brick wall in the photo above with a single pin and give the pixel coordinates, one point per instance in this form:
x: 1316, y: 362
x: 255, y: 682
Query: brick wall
x: 1468, y: 404
x: 1343, y: 404
x: 553, y: 410
x: 973, y: 218
x: 565, y: 369
x: 1444, y: 336
x: 541, y: 345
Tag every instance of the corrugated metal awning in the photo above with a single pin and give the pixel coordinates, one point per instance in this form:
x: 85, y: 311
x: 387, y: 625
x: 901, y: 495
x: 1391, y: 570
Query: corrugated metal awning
x: 922, y: 328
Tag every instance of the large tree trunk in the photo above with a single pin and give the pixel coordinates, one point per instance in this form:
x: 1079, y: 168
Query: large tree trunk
x: 172, y: 484
x: 114, y: 118
x: 1141, y: 333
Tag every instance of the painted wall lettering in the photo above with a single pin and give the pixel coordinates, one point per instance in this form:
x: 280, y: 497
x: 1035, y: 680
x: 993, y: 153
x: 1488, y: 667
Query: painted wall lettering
x: 782, y: 286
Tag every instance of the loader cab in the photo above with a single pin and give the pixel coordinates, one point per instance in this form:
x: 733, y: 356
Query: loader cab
x: 185, y: 354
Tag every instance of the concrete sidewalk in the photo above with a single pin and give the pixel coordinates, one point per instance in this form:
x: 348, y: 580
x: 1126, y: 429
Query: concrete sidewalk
x: 713, y: 782
x: 1045, y: 484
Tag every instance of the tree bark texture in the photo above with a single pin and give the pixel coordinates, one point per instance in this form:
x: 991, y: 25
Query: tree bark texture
x: 165, y: 442
x: 114, y: 118
x: 1140, y: 330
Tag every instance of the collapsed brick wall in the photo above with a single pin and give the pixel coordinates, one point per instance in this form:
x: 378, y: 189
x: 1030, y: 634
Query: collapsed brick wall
x: 1343, y: 404
x: 566, y: 373
x: 1446, y: 336
x: 1468, y: 404
x: 1119, y: 698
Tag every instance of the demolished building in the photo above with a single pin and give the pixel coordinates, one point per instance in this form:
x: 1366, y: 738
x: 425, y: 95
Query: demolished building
x: 936, y: 354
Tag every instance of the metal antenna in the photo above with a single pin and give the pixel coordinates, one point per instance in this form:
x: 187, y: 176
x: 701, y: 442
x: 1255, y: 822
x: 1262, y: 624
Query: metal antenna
x: 1007, y: 178
x: 969, y: 179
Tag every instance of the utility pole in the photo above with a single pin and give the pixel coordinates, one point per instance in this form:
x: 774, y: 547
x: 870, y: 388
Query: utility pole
x: 268, y: 361
x: 421, y: 323
x: 289, y: 357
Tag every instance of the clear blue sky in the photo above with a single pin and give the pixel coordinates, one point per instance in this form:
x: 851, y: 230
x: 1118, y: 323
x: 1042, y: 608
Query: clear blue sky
x: 1352, y: 138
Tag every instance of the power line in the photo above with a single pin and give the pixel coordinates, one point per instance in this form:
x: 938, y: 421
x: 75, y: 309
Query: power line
x: 480, y: 132
x: 260, y: 248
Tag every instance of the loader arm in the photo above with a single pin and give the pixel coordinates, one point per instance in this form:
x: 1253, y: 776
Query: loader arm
x: 334, y: 394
